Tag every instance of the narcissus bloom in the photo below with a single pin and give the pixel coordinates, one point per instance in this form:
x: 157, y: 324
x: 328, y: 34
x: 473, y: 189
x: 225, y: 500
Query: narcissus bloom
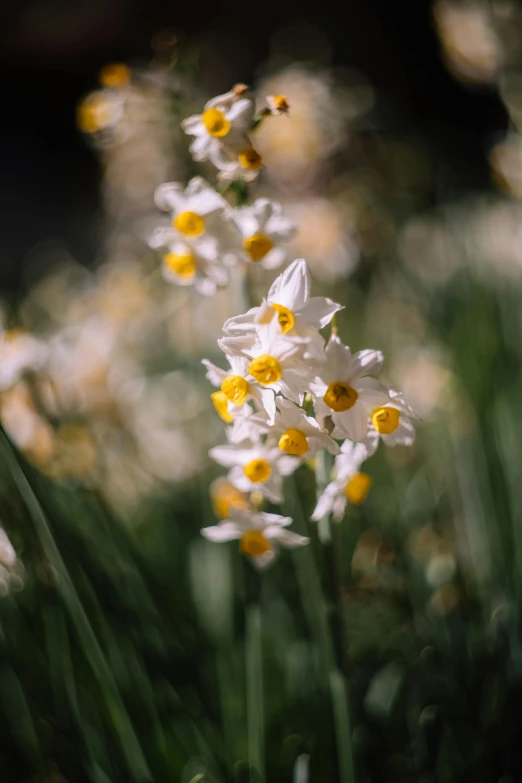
x: 260, y: 535
x: 298, y: 313
x: 349, y: 485
x: 264, y: 230
x: 277, y: 104
x: 225, y: 122
x: 276, y: 361
x: 294, y: 431
x: 237, y: 387
x: 343, y: 391
x: 196, y: 211
x: 392, y: 423
x: 192, y: 262
x: 256, y: 467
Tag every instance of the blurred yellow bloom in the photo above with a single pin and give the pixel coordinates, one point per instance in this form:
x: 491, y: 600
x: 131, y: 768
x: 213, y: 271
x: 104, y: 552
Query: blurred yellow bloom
x: 115, y: 75
x: 223, y: 495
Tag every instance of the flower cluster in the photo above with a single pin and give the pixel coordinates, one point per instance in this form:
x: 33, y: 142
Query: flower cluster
x: 279, y: 370
x: 221, y: 135
x: 205, y: 236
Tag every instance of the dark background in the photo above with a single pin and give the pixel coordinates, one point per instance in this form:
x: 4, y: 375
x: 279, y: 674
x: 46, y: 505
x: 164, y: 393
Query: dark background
x: 52, y: 50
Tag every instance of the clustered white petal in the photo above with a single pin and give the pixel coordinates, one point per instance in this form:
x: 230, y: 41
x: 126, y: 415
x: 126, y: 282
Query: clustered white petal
x: 279, y: 370
x: 284, y: 394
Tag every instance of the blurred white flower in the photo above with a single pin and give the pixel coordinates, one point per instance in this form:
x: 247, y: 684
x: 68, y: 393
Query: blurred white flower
x: 260, y: 534
x: 348, y: 485
x: 256, y: 467
x: 224, y: 124
x: 264, y: 230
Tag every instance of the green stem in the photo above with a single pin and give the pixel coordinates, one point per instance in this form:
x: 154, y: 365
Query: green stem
x: 337, y: 682
x: 254, y: 677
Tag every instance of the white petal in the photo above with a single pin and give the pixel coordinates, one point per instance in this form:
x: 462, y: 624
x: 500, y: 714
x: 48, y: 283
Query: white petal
x: 280, y: 229
x: 192, y: 125
x: 371, y: 392
x: 338, y: 358
x: 274, y: 258
x: 169, y: 195
x: 353, y: 422
x: 371, y: 441
x: 241, y: 323
x: 323, y: 506
x: 319, y: 311
x: 201, y: 148
x: 404, y: 435
x: 226, y: 531
x: 292, y: 288
x: 324, y: 441
x: 264, y: 561
x: 287, y: 465
x: 364, y: 363
x: 339, y: 506
x: 285, y: 538
x: 215, y: 374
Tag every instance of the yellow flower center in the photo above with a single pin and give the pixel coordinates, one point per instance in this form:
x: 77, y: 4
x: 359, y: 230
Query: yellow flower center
x: 385, y: 420
x: 265, y: 369
x: 250, y: 159
x: 224, y: 495
x: 220, y: 401
x: 257, y: 246
x: 95, y: 113
x: 294, y: 442
x: 280, y: 103
x: 235, y: 389
x: 358, y: 487
x: 182, y: 264
x: 285, y: 317
x: 189, y: 223
x: 258, y: 470
x: 254, y: 543
x: 215, y: 123
x: 115, y: 75
x: 340, y: 397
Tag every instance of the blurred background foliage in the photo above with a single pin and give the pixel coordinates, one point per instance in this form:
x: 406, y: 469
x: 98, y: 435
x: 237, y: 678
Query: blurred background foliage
x: 123, y: 633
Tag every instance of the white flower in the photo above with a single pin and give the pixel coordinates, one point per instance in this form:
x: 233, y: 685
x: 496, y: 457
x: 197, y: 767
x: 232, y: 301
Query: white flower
x: 342, y: 391
x: 260, y: 534
x: 238, y: 162
x: 19, y: 352
x: 11, y: 569
x: 226, y: 119
x: 349, y: 483
x: 277, y: 104
x: 277, y: 361
x: 197, y: 210
x: 237, y: 387
x: 295, y: 432
x: 298, y: 313
x: 392, y: 423
x: 256, y: 467
x: 192, y: 262
x: 263, y: 229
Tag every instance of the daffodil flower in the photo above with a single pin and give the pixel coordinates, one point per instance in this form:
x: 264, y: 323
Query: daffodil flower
x: 349, y: 485
x: 256, y: 467
x: 276, y: 361
x: 260, y: 534
x: 299, y: 314
x: 191, y: 262
x: 342, y: 390
x: 392, y: 423
x: 264, y: 230
x: 295, y: 432
x: 237, y: 387
x: 195, y: 211
x: 225, y: 122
